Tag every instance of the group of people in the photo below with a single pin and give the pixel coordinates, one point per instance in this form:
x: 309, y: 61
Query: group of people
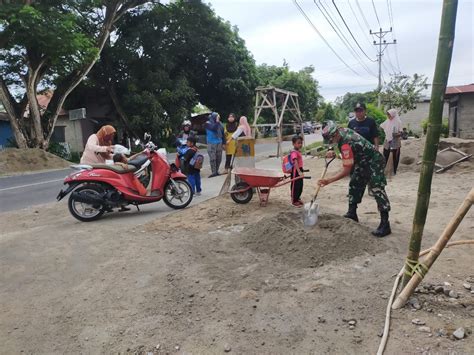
x: 219, y: 138
x: 363, y: 162
x: 358, y: 145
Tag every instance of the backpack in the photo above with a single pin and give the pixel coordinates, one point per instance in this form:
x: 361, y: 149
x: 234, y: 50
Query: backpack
x: 197, y: 160
x: 287, y: 164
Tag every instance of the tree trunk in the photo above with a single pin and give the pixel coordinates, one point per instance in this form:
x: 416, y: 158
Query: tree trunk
x: 121, y: 113
x: 113, y: 11
x: 443, y: 61
x: 14, y: 114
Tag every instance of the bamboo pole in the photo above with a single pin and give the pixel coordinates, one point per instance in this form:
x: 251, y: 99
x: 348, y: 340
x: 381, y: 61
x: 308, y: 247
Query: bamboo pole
x: 435, y: 251
x: 443, y: 62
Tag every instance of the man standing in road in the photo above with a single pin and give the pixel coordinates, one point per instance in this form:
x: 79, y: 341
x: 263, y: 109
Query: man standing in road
x: 366, y: 166
x: 364, y: 125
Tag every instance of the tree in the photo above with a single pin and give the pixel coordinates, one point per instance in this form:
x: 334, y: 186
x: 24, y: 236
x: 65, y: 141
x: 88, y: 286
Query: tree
x: 350, y: 99
x: 301, y: 82
x: 403, y: 92
x: 329, y: 114
x: 167, y: 59
x: 49, y: 44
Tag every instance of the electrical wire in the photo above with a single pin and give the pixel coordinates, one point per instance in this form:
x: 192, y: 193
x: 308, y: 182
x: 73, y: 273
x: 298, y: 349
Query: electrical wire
x: 390, y: 15
x: 358, y: 22
x: 363, y: 16
x: 348, y: 29
x: 376, y: 14
x: 341, y: 36
x: 321, y: 36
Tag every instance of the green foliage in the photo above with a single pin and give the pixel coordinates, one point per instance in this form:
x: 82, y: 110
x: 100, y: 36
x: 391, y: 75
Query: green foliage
x: 347, y: 102
x: 301, y: 82
x: 59, y: 150
x: 444, y: 127
x: 403, y: 92
x: 329, y: 114
x: 168, y: 58
x: 45, y: 31
x: 379, y: 116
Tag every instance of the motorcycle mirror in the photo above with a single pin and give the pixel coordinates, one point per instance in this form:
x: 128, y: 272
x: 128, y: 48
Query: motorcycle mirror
x: 137, y: 142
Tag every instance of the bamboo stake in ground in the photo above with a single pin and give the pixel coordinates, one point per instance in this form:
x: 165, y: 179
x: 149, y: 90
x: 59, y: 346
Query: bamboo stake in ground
x: 443, y: 61
x: 422, y: 269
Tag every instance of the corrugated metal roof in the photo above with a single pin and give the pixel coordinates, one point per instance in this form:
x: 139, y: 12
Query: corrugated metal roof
x: 462, y: 89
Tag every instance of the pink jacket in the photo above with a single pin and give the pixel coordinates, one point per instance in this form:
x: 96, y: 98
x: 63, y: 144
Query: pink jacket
x: 90, y: 156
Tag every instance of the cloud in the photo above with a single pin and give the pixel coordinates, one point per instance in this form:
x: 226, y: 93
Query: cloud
x: 275, y: 30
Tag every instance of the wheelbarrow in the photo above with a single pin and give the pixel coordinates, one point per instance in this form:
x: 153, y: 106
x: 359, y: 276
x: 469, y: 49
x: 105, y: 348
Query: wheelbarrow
x: 261, y: 180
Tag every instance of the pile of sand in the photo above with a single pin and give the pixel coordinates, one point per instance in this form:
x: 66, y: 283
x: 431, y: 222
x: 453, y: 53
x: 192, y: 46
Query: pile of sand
x: 412, y: 153
x: 14, y: 160
x: 334, y: 238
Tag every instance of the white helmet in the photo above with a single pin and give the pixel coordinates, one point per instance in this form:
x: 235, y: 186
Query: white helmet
x: 186, y: 123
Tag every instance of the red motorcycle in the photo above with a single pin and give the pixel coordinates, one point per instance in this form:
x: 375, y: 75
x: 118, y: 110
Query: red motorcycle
x: 149, y: 177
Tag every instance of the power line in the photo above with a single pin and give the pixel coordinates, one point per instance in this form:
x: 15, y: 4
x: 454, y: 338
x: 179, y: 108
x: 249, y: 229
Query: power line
x: 376, y: 14
x: 363, y: 16
x: 343, y: 20
x: 358, y: 22
x: 390, y: 14
x: 320, y: 35
x: 341, y: 36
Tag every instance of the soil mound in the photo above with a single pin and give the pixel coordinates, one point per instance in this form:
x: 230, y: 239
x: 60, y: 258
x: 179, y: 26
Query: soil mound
x: 334, y: 238
x: 14, y: 160
x: 412, y: 153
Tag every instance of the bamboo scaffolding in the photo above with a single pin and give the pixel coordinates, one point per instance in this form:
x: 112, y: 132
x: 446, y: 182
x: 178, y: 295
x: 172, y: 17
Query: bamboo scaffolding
x: 421, y: 269
x: 440, y: 79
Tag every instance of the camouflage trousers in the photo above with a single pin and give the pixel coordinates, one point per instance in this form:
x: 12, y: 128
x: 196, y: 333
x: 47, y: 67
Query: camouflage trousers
x: 374, y: 178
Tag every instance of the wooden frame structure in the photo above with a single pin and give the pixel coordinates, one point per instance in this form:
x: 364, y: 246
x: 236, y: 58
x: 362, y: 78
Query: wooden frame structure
x: 280, y: 102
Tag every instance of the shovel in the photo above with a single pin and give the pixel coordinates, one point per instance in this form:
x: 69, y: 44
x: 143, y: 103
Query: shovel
x: 311, y: 210
x: 226, y: 184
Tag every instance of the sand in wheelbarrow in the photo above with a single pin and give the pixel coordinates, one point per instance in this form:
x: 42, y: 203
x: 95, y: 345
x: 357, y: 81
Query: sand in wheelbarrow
x: 334, y: 238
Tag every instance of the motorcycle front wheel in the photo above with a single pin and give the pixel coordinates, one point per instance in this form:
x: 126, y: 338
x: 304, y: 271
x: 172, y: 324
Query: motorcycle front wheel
x: 85, y: 212
x: 178, y: 194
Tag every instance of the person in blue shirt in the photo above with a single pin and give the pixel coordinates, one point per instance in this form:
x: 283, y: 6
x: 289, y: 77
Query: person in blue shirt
x: 365, y: 126
x: 215, y: 142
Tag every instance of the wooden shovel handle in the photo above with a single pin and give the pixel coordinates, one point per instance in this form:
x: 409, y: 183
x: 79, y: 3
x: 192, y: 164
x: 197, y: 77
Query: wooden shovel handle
x: 318, y: 187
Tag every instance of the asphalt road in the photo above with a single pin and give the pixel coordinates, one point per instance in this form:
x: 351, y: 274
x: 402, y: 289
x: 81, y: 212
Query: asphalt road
x: 27, y: 190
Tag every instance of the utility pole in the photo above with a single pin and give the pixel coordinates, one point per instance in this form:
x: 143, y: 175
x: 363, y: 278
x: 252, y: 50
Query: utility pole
x: 382, y: 44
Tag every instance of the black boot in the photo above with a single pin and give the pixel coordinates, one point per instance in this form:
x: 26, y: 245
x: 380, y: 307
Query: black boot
x: 352, y: 213
x: 384, y: 227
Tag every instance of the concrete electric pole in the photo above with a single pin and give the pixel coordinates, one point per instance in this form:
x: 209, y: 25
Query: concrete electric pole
x: 382, y: 44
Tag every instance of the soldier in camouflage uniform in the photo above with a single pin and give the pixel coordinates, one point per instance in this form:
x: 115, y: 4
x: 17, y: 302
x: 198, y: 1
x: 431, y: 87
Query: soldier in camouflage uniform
x: 366, y: 166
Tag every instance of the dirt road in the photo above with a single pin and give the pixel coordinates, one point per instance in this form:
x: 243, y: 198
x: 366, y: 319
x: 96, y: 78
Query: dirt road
x: 224, y: 277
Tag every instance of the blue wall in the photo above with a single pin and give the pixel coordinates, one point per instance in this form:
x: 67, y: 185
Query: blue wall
x: 5, y: 132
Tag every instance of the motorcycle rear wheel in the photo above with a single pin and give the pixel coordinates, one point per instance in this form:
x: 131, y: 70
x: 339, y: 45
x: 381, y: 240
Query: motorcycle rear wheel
x: 178, y: 198
x: 85, y: 212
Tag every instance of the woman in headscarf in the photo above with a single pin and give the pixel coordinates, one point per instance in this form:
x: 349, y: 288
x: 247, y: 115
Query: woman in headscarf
x: 215, y: 142
x: 230, y: 128
x: 243, y: 130
x: 99, y: 146
x: 393, y: 129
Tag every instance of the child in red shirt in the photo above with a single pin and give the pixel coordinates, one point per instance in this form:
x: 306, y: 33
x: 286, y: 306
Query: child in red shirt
x: 296, y: 159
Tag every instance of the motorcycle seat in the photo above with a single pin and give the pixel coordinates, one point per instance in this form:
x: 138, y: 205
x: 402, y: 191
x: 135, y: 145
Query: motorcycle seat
x: 138, y: 161
x: 115, y: 168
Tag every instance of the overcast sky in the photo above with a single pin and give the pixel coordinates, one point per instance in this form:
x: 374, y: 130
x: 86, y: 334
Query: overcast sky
x: 276, y: 30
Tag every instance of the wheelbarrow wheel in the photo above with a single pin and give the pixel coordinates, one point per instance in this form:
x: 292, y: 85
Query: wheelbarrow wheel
x: 244, y: 196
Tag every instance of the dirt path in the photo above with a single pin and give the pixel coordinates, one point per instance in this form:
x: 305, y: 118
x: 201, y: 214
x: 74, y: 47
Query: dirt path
x: 221, y: 275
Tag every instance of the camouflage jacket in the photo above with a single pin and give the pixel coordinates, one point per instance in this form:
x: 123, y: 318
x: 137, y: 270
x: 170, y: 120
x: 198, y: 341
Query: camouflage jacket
x: 364, y: 152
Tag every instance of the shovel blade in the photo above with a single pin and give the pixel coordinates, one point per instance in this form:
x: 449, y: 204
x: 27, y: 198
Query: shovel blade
x: 310, y: 214
x: 226, y: 184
